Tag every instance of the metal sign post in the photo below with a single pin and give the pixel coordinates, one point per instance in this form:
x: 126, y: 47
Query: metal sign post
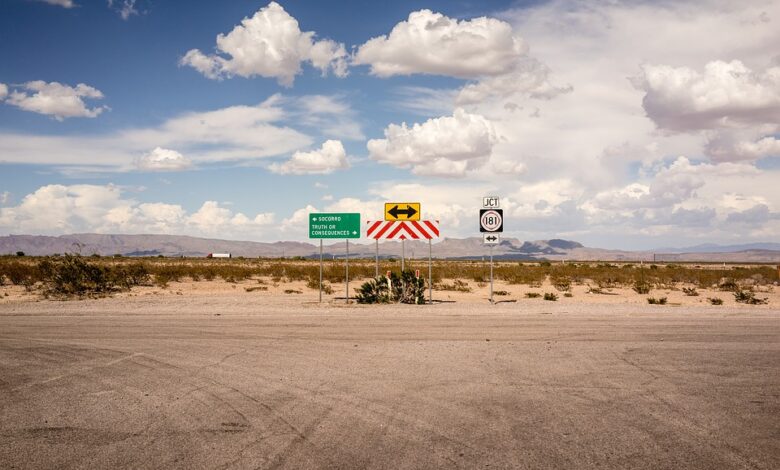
x: 403, y: 254
x: 491, y: 274
x: 491, y: 223
x: 335, y: 225
x: 430, y: 275
x: 376, y: 261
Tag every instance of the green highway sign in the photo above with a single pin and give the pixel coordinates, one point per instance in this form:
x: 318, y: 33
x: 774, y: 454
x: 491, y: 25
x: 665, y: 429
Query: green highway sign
x: 334, y: 225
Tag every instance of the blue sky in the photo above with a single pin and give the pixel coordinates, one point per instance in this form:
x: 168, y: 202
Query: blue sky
x: 626, y: 125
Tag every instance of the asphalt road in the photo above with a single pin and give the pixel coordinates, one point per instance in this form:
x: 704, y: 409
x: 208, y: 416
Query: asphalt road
x: 139, y: 384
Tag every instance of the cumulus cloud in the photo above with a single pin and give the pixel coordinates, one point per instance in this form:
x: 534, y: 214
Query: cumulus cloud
x: 61, y: 3
x: 58, y: 209
x: 529, y: 77
x: 726, y: 148
x: 670, y: 185
x: 56, y: 99
x: 3, y: 91
x: 269, y: 44
x: 328, y: 158
x: 161, y: 159
x: 483, y: 49
x: 756, y: 215
x: 432, y: 43
x: 444, y: 146
x: 726, y: 94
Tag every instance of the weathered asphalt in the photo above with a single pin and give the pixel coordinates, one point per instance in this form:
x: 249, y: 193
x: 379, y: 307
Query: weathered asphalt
x: 270, y: 385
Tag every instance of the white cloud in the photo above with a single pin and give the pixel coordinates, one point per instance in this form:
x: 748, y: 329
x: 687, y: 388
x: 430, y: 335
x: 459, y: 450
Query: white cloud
x: 484, y: 49
x: 161, y: 159
x: 125, y: 8
x: 726, y: 94
x: 331, y: 116
x: 726, y: 148
x: 670, y: 185
x: 3, y: 91
x: 56, y: 99
x: 233, y: 134
x: 328, y: 158
x: 61, y: 3
x: 57, y: 209
x: 269, y: 44
x: 530, y: 77
x: 432, y: 43
x: 5, y: 197
x: 444, y: 146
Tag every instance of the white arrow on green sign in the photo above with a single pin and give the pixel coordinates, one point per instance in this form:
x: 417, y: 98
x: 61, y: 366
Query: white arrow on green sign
x: 334, y: 225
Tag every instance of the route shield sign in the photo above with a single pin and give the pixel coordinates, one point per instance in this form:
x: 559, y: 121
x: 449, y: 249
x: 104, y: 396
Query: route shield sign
x: 402, y: 211
x: 491, y: 239
x: 491, y: 220
x: 334, y: 225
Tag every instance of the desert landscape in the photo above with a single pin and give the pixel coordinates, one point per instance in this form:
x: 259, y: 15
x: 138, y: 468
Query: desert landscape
x: 419, y: 234
x: 250, y: 370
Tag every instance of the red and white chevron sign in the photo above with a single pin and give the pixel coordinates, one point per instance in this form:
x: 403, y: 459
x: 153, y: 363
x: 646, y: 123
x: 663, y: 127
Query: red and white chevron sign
x: 403, y: 230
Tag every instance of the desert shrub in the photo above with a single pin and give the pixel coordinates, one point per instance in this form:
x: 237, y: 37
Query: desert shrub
x: 457, y: 286
x: 255, y: 288
x: 568, y: 294
x: 500, y: 292
x: 532, y: 295
x: 550, y: 296
x: 292, y: 291
x: 728, y: 284
x: 749, y: 297
x: 314, y: 283
x: 374, y: 291
x: 73, y: 276
x: 561, y: 283
x: 641, y: 288
x: 690, y: 291
x: 406, y: 289
x: 658, y: 301
x: 131, y: 275
x: 715, y: 300
x: 20, y: 253
x: 19, y: 273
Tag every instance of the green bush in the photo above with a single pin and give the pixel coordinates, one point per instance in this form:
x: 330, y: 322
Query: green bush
x: 642, y: 288
x: 406, y: 289
x: 715, y: 300
x: 533, y: 295
x: 690, y: 291
x: 550, y: 296
x: 654, y: 301
x: 748, y: 297
x: 72, y: 276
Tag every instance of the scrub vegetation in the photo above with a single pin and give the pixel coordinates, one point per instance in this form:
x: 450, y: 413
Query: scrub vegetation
x: 73, y: 276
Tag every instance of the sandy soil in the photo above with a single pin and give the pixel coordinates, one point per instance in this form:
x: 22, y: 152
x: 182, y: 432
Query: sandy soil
x: 479, y: 293
x: 208, y: 375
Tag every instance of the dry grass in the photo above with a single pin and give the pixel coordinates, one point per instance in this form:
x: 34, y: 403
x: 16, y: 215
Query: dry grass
x: 117, y: 273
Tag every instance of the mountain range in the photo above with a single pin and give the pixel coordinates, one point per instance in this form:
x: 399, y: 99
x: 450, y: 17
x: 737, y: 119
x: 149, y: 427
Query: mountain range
x: 450, y: 248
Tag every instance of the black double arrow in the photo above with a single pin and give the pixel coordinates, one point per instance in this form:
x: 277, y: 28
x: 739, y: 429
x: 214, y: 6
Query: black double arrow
x: 491, y: 238
x: 408, y: 212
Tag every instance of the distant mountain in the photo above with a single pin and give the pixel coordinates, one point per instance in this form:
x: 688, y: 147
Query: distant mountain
x: 713, y: 248
x: 452, y: 248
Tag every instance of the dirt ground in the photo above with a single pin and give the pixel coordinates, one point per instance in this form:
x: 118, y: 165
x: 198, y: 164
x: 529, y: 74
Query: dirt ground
x: 208, y: 375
